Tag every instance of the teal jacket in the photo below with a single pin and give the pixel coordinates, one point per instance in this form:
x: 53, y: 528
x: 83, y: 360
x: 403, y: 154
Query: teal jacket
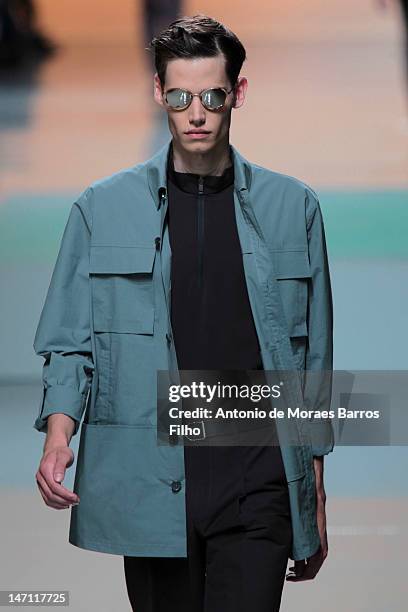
x: 105, y: 330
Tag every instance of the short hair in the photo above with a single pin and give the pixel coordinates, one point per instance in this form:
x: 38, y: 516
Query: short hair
x: 197, y: 36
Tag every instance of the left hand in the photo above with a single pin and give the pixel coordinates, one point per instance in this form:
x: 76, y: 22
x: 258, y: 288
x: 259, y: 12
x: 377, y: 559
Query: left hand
x: 306, y: 569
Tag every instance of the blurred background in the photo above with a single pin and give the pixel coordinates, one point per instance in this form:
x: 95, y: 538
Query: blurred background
x: 328, y: 103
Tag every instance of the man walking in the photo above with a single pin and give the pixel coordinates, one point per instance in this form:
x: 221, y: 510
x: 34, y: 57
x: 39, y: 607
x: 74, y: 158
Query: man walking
x: 194, y: 260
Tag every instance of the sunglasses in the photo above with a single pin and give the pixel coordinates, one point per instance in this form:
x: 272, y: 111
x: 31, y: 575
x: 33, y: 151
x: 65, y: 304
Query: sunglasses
x: 212, y: 99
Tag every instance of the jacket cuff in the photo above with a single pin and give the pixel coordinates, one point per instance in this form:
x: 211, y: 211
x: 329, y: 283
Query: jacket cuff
x: 60, y: 399
x: 322, y: 437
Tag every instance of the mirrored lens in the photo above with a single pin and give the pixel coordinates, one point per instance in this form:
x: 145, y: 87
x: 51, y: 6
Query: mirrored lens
x: 178, y: 98
x: 214, y: 98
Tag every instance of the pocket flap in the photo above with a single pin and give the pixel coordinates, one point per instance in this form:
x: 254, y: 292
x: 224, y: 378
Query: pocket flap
x: 291, y: 264
x: 298, y: 328
x: 296, y: 476
x: 107, y: 259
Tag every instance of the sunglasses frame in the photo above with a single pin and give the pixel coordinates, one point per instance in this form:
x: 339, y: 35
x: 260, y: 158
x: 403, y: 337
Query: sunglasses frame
x: 200, y: 95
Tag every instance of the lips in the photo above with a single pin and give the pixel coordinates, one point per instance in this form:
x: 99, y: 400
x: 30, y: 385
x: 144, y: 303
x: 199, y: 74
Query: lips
x: 197, y: 135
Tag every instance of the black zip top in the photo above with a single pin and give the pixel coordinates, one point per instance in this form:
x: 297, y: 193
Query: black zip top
x: 212, y: 323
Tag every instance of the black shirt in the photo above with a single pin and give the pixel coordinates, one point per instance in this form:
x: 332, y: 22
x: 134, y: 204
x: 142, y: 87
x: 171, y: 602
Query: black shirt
x: 212, y: 321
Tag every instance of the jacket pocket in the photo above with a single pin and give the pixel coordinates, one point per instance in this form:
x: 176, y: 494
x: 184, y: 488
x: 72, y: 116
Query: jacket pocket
x: 292, y: 271
x: 122, y: 288
x: 297, y: 475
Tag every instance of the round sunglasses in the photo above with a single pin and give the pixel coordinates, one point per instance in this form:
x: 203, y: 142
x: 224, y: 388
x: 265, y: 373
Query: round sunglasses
x: 212, y: 99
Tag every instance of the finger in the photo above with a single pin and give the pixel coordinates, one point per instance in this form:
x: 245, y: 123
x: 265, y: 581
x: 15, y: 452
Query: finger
x: 296, y: 570
x: 51, y: 504
x: 49, y: 496
x: 309, y: 573
x: 312, y: 567
x: 306, y: 575
x: 58, y: 474
x: 61, y: 465
x: 49, y: 493
x: 47, y: 472
x: 296, y: 578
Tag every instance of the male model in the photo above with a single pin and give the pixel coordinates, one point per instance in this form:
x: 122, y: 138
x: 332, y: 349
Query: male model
x: 196, y: 259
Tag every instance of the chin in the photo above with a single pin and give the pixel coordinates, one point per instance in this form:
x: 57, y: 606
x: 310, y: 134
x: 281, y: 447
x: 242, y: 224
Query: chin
x: 198, y: 145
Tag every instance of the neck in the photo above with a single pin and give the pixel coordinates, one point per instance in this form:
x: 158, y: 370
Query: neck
x: 213, y: 162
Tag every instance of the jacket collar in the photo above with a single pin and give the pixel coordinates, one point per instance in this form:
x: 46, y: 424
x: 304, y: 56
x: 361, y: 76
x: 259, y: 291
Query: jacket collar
x: 188, y: 182
x: 157, y: 172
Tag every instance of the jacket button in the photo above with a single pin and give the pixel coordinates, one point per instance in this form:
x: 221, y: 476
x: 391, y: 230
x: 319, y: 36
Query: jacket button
x: 169, y: 337
x: 176, y: 486
x: 173, y: 439
x: 157, y: 242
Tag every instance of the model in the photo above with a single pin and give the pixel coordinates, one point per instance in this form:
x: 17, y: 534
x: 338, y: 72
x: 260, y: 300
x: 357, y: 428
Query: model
x: 196, y: 259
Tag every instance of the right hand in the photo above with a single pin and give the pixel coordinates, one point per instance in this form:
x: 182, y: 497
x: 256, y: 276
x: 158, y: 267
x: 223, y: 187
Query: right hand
x: 51, y: 473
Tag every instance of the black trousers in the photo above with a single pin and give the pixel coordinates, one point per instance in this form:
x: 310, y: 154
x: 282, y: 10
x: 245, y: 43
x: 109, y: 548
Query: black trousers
x: 239, y: 537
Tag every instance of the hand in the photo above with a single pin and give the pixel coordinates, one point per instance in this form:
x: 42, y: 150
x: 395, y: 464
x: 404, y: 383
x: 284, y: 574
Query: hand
x: 50, y: 474
x: 308, y: 568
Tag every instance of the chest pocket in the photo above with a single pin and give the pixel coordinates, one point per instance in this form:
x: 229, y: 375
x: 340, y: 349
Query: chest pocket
x: 122, y: 288
x: 292, y: 270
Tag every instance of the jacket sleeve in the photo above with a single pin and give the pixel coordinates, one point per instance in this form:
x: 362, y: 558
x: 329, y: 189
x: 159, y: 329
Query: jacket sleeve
x: 319, y: 353
x: 63, y: 335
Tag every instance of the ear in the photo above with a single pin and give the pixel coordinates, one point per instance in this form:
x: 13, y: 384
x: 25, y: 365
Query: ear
x: 157, y: 90
x: 240, y: 92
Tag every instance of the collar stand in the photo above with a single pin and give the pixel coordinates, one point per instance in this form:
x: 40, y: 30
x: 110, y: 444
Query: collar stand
x: 189, y: 181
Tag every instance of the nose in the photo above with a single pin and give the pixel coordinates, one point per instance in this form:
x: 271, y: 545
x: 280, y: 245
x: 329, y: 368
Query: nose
x: 196, y: 112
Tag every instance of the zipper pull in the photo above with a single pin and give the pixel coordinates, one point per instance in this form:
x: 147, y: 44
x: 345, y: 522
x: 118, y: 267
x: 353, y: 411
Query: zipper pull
x: 200, y: 184
x: 162, y: 195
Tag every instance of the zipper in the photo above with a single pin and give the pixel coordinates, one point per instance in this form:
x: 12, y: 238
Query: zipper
x: 159, y: 244
x: 173, y: 370
x: 200, y: 229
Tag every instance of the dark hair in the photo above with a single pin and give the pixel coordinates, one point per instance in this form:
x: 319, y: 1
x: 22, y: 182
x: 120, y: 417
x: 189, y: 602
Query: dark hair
x: 198, y: 36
